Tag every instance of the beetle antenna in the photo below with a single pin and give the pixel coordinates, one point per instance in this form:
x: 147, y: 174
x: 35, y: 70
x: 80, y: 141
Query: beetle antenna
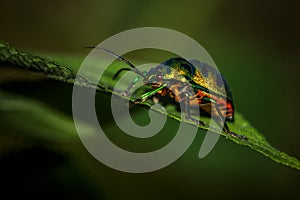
x: 120, y: 70
x: 120, y: 58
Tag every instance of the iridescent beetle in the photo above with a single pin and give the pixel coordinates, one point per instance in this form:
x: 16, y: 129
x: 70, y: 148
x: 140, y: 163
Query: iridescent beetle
x: 207, y: 84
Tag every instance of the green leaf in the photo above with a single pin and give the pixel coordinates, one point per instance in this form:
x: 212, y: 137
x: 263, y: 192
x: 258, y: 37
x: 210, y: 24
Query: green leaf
x: 25, y: 112
x: 65, y: 68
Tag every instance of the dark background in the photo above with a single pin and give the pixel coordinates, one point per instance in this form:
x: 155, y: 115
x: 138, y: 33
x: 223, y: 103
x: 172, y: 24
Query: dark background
x: 255, y: 44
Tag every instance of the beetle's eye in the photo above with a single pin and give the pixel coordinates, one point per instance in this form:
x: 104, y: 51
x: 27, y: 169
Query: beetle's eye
x: 158, y: 76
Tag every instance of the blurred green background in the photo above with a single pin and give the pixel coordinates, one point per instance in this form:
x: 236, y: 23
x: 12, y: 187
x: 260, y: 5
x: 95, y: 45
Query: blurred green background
x: 255, y: 44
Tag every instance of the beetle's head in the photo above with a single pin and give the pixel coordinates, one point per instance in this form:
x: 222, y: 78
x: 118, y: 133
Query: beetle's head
x: 158, y: 75
x: 155, y: 76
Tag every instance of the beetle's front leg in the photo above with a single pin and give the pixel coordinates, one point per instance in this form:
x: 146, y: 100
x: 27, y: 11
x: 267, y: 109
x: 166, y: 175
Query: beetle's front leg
x: 145, y: 96
x: 132, y: 84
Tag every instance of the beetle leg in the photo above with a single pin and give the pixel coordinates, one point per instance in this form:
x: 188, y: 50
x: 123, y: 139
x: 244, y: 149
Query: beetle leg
x: 225, y: 126
x: 188, y: 111
x: 156, y: 98
x: 132, y: 84
x: 148, y: 94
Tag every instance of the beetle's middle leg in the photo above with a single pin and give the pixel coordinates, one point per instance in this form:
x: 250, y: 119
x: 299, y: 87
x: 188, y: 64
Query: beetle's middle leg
x: 188, y: 116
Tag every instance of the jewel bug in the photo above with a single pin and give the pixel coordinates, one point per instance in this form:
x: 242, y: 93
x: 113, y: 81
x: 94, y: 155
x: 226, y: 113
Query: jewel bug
x: 208, y: 85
